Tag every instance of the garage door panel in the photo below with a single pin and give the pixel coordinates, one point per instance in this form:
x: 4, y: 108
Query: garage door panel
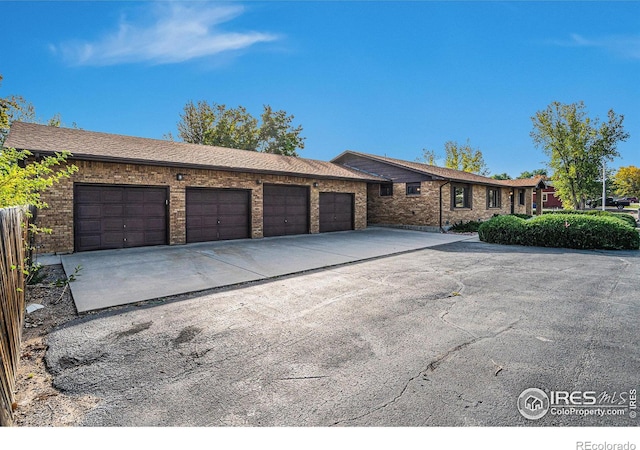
x: 108, y: 217
x: 112, y: 196
x: 336, y: 211
x: 154, y: 224
x: 134, y: 224
x: 134, y: 196
x: 233, y: 209
x: 112, y: 224
x: 90, y: 226
x: 217, y: 214
x: 92, y: 242
x: 285, y: 210
x: 112, y: 239
x: 154, y: 196
x: 154, y: 209
x: 89, y: 211
x: 208, y: 209
x: 154, y: 237
x: 88, y: 196
x: 112, y: 210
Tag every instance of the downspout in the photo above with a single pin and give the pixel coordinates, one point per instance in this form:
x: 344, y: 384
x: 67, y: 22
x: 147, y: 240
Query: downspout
x: 440, y: 220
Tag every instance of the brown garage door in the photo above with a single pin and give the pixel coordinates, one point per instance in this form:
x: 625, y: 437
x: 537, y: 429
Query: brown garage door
x: 108, y: 217
x: 217, y: 214
x: 285, y: 210
x: 336, y: 212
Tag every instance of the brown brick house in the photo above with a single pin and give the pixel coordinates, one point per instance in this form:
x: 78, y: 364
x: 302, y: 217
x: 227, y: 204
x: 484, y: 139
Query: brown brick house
x: 132, y: 191
x: 430, y: 197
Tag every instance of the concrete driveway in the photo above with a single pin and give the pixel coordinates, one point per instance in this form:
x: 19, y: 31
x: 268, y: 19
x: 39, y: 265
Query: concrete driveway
x: 446, y: 336
x: 119, y: 277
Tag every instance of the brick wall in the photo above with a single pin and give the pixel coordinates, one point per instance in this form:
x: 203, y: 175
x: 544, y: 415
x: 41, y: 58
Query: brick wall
x: 59, y: 215
x: 424, y: 209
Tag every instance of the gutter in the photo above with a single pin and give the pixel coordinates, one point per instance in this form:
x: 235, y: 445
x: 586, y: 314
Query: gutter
x: 440, y: 219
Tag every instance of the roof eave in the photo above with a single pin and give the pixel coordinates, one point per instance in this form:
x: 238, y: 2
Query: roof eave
x: 178, y: 165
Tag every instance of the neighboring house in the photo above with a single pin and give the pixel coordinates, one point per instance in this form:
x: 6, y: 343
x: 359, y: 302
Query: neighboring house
x: 430, y: 197
x: 131, y: 192
x: 549, y: 198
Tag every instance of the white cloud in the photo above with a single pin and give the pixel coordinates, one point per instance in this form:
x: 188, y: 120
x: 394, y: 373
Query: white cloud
x: 177, y: 33
x: 624, y: 46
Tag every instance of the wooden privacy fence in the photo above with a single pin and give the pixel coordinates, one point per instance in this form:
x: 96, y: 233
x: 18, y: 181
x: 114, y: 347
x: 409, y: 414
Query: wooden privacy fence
x: 13, y: 251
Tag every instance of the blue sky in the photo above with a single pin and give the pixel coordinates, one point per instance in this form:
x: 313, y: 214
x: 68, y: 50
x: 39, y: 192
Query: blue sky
x: 380, y: 77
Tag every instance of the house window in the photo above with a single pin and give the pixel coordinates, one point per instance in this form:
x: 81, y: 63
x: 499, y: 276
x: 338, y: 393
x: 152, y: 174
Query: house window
x: 544, y: 198
x: 521, y: 195
x: 461, y: 196
x: 386, y: 189
x: 413, y: 188
x: 493, y: 198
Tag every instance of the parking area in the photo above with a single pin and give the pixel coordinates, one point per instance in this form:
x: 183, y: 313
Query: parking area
x: 119, y: 277
x: 446, y: 336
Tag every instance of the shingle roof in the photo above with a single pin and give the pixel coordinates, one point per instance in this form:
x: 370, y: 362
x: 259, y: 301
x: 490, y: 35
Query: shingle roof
x: 446, y: 173
x: 90, y: 145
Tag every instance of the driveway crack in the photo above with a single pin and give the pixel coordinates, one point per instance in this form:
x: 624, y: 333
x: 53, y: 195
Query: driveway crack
x: 432, y: 366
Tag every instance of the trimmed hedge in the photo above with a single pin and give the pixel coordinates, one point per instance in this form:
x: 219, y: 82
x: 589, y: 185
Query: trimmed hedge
x: 508, y: 230
x: 581, y: 231
x: 628, y: 218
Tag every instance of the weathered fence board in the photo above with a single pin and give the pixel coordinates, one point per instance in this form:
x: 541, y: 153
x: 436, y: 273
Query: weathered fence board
x: 13, y: 231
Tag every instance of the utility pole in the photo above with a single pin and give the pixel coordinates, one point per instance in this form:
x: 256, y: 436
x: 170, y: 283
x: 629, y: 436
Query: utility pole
x: 604, y: 189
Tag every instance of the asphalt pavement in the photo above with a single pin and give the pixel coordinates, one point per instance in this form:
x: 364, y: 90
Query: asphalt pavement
x: 446, y: 336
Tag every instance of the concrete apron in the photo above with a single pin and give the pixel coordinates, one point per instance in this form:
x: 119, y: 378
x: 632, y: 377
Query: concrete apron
x: 119, y: 277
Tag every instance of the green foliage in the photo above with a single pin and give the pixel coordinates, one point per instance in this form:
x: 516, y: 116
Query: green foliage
x: 501, y: 176
x: 522, y: 216
x: 466, y: 227
x: 213, y: 124
x: 533, y: 173
x: 428, y: 157
x: 35, y: 274
x: 576, y: 146
x: 465, y: 158
x: 509, y: 230
x: 626, y: 218
x: 581, y: 231
x: 22, y: 182
x: 627, y: 181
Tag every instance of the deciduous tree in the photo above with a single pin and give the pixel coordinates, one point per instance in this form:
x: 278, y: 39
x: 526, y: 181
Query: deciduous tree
x: 577, y: 146
x: 21, y: 183
x: 533, y: 173
x: 465, y: 158
x: 627, y: 181
x: 214, y: 124
x: 428, y: 157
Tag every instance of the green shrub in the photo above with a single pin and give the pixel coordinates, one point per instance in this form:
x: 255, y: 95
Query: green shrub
x: 628, y: 218
x: 503, y: 230
x: 466, y: 227
x: 581, y: 231
x: 522, y: 216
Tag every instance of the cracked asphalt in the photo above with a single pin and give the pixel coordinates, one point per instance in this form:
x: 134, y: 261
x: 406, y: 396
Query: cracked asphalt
x: 447, y: 336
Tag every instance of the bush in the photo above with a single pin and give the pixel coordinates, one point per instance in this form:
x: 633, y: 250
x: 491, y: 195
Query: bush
x: 466, y: 227
x: 628, y: 218
x: 503, y: 230
x: 581, y: 231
